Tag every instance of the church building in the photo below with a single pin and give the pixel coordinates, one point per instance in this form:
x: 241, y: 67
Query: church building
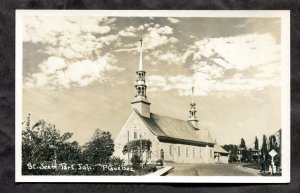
x: 173, y: 140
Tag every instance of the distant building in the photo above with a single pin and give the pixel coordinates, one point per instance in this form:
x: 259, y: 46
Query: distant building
x: 221, y: 155
x: 175, y: 140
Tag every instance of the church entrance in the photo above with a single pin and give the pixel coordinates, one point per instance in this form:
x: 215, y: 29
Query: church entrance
x: 162, y: 155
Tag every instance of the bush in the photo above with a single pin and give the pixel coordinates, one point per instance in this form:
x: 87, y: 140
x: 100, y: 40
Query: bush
x: 116, y: 161
x: 136, y: 161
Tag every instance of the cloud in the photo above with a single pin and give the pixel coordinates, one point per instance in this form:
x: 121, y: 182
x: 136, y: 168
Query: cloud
x: 171, y: 57
x: 52, y: 64
x: 239, y: 52
x: 56, y: 72
x: 157, y: 37
x: 165, y: 30
x: 70, y: 37
x: 242, y: 64
x: 173, y: 20
x: 46, y: 29
x: 128, y: 32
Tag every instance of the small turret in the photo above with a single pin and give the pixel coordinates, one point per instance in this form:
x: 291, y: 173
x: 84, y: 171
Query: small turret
x: 193, y: 118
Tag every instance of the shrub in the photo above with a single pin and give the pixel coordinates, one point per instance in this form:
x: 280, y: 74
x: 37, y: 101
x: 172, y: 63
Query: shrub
x: 136, y: 161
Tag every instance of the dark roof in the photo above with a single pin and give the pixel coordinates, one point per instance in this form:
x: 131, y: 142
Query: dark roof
x: 177, y: 130
x: 219, y: 149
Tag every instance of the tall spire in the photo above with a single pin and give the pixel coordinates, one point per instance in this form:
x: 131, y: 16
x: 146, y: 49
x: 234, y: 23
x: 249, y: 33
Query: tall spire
x: 140, y: 101
x: 141, y: 68
x: 193, y: 94
x: 193, y: 118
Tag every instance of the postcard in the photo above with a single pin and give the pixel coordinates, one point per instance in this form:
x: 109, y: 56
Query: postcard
x: 154, y: 96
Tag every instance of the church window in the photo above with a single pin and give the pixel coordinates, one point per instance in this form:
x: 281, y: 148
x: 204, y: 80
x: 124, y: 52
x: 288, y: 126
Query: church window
x: 193, y: 152
x: 210, y: 153
x: 171, y: 150
x: 187, y: 151
x: 200, y: 152
x: 143, y: 89
x: 134, y: 135
x: 149, y: 155
x: 178, y: 150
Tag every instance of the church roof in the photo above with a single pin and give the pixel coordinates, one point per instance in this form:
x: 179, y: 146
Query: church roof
x: 176, y: 130
x: 219, y: 149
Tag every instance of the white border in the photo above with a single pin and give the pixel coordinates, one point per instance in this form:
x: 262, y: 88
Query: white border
x: 285, y: 96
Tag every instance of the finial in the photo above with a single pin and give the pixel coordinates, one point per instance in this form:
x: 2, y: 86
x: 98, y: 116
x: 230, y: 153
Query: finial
x: 141, y: 68
x: 193, y: 94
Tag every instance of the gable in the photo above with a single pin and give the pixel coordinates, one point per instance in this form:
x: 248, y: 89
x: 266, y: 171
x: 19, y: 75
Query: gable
x: 133, y: 124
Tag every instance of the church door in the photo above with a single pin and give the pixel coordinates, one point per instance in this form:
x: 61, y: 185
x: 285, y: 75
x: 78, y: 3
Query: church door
x: 162, y: 156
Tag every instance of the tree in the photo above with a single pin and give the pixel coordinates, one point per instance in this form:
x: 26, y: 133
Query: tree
x: 100, y: 148
x: 273, y: 143
x: 256, y: 145
x: 138, y: 148
x: 277, y: 158
x: 233, y: 152
x: 43, y: 142
x: 264, y: 154
x: 243, y: 144
x: 243, y: 151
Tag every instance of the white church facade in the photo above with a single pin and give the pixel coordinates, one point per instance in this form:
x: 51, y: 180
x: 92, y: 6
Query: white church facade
x: 174, y: 140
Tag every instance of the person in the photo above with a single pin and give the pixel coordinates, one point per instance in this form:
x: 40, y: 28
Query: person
x: 263, y: 164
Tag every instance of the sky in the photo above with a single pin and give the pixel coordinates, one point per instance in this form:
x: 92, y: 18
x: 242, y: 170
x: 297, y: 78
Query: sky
x: 79, y: 72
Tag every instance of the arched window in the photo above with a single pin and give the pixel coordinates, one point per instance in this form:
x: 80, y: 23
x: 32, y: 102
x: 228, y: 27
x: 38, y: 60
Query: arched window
x: 187, y: 151
x: 143, y: 89
x: 135, y: 135
x: 200, y: 152
x: 193, y: 152
x: 171, y: 150
x: 162, y: 155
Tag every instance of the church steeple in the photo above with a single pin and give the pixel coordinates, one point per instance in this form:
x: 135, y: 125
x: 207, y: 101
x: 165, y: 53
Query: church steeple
x: 141, y: 68
x: 193, y: 118
x: 140, y: 101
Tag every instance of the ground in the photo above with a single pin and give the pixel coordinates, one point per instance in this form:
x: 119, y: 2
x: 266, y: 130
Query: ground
x: 218, y: 169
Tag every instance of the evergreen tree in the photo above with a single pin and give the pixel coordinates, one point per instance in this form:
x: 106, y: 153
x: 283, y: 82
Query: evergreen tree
x: 264, y: 154
x: 273, y: 143
x: 243, y: 144
x: 243, y: 151
x: 256, y: 145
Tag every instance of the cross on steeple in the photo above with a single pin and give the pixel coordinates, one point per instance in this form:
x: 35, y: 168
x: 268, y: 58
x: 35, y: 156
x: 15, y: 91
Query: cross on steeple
x: 141, y: 68
x: 141, y: 40
x: 193, y: 94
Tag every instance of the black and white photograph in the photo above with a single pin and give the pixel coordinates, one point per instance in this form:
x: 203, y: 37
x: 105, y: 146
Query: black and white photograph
x: 152, y: 96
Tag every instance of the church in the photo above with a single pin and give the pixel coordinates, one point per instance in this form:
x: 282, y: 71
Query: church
x: 173, y: 140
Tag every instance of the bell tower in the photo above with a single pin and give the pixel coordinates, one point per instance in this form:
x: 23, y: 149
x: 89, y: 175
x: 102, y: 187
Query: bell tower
x: 140, y: 101
x: 193, y: 118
